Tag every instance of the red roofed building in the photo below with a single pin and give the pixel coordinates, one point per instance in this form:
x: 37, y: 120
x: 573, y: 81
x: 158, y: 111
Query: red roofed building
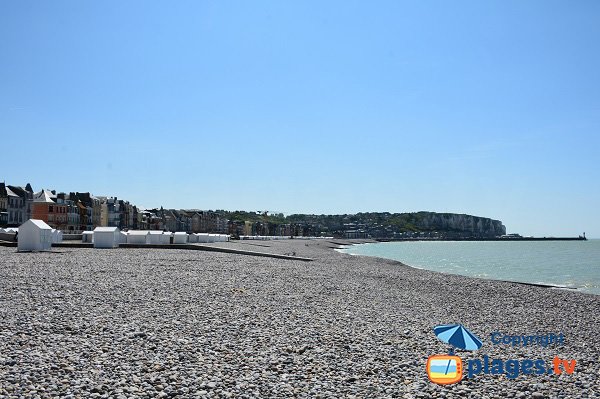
x: 45, y: 207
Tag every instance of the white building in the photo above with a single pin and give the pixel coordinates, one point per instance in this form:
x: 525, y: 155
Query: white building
x: 223, y: 238
x: 87, y: 236
x: 106, y: 237
x: 180, y: 237
x: 137, y: 236
x: 154, y: 237
x: 165, y: 238
x: 34, y: 235
x: 57, y: 236
x: 202, y: 237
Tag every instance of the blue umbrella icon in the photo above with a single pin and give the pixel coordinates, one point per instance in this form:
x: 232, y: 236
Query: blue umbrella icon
x: 458, y: 336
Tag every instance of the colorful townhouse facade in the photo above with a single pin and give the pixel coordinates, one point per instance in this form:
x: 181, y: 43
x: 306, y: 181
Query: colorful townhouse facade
x: 47, y: 207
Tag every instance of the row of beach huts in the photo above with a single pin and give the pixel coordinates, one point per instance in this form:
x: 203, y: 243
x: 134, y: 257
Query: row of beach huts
x: 37, y: 235
x: 33, y: 235
x: 112, y: 237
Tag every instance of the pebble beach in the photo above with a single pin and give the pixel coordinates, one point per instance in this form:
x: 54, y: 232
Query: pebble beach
x: 174, y: 323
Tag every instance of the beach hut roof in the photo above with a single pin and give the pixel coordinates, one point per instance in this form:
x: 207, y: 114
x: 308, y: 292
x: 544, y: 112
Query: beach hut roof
x: 40, y: 223
x: 138, y: 232
x: 107, y: 229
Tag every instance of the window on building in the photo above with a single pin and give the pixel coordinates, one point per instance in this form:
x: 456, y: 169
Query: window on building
x: 50, y: 209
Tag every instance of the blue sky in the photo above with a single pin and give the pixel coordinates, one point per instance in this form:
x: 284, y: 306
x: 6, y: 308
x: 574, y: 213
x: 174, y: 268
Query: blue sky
x: 486, y: 108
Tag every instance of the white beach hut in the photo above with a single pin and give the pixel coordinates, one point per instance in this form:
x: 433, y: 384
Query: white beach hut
x: 6, y: 235
x: 203, y: 237
x: 106, y: 237
x: 137, y: 237
x: 180, y: 237
x: 165, y: 238
x: 57, y: 236
x: 154, y: 237
x: 34, y: 235
x: 123, y: 237
x: 193, y: 238
x: 87, y: 236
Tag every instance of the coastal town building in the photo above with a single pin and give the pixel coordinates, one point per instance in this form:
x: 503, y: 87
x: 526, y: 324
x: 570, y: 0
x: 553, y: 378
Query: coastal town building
x: 45, y: 207
x: 116, y: 213
x: 96, y: 204
x: 206, y: 222
x: 15, y: 204
x: 89, y: 210
x: 170, y: 220
x: 222, y: 225
x: 73, y: 213
x: 151, y: 220
x: 111, y: 213
x: 83, y: 216
x: 3, y: 205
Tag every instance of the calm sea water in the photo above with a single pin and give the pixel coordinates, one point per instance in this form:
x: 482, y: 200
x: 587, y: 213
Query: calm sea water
x: 573, y: 264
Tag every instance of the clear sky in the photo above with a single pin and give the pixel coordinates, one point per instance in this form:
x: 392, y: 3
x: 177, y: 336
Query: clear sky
x: 489, y: 108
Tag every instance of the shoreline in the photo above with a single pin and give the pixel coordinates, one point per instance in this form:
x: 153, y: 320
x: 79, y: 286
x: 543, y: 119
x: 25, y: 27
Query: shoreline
x: 540, y: 284
x: 143, y: 322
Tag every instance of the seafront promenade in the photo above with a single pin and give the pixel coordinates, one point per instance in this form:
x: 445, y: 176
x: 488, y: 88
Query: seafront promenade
x: 146, y: 323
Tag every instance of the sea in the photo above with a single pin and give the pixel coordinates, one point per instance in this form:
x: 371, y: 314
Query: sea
x: 568, y: 264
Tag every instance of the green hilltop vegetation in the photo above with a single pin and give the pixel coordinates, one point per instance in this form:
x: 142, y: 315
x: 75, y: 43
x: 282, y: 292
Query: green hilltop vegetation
x: 380, y: 224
